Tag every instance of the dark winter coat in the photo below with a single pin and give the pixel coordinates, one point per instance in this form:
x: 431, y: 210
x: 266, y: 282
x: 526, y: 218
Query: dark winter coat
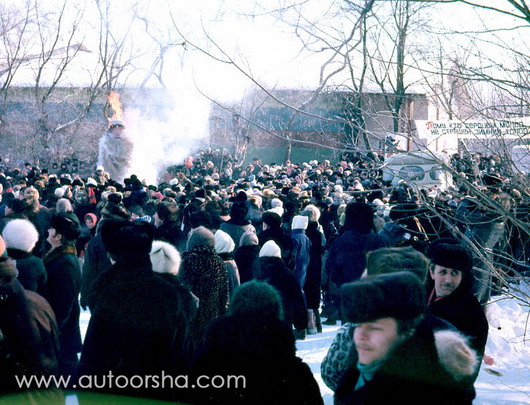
x: 64, y: 282
x: 347, y: 255
x: 393, y: 234
x: 314, y: 270
x: 263, y: 351
x: 274, y: 271
x: 29, y: 342
x: 204, y: 273
x: 245, y: 257
x: 139, y: 326
x: 463, y: 310
x: 413, y: 373
x: 235, y: 230
x: 31, y: 271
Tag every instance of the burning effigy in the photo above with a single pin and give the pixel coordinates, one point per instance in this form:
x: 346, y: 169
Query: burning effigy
x: 115, y: 147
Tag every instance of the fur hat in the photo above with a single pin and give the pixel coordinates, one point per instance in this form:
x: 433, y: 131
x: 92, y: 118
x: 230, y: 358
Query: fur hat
x: 20, y: 234
x: 223, y: 242
x: 390, y: 260
x: 277, y: 210
x: 272, y: 219
x: 239, y: 210
x: 31, y: 193
x: 270, y: 249
x: 300, y: 222
x: 256, y: 298
x: 449, y: 253
x: 114, y: 211
x: 165, y: 258
x: 8, y: 271
x: 125, y: 238
x: 314, y: 213
x: 276, y: 202
x: 201, y: 236
x: 66, y: 224
x: 398, y: 295
x: 91, y: 182
x: 359, y: 217
x: 249, y: 238
x: 59, y: 192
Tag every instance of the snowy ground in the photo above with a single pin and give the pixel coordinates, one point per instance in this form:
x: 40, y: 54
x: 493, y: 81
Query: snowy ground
x: 506, y: 382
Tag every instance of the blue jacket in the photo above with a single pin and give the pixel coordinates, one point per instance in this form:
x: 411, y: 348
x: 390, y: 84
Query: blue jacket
x: 300, y: 255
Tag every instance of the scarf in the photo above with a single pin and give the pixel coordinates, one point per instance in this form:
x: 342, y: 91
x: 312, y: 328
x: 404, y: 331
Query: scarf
x: 366, y: 372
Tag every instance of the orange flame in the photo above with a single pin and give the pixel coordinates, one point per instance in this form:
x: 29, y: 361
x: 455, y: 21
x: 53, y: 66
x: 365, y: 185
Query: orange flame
x: 114, y: 101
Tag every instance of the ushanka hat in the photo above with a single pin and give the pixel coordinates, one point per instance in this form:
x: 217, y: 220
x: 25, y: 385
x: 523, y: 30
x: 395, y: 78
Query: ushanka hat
x: 398, y: 295
x: 67, y: 224
x: 125, y: 238
x: 450, y: 253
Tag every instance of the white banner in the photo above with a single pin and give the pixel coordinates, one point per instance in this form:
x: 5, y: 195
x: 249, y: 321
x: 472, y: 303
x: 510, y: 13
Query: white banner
x: 508, y: 129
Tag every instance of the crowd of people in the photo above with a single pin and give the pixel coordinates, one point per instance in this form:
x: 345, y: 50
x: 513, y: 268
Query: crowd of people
x: 220, y: 267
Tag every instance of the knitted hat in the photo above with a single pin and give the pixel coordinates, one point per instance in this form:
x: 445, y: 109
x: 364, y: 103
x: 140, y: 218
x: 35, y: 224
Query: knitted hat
x: 300, y: 222
x: 20, y: 234
x: 449, y: 253
x: 91, y: 216
x: 66, y: 224
x: 223, y: 242
x: 8, y: 271
x: 249, y: 238
x: 270, y: 249
x: 398, y: 295
x: 165, y: 258
x: 256, y: 298
x: 125, y: 238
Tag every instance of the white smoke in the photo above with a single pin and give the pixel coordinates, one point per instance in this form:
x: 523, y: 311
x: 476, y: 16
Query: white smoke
x: 177, y: 127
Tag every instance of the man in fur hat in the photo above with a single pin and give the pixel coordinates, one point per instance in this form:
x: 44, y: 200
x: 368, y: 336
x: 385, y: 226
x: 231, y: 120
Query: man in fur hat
x: 64, y: 281
x: 394, y: 356
x: 450, y: 292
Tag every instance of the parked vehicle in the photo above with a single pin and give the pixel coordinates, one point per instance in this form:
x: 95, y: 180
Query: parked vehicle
x: 423, y: 169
